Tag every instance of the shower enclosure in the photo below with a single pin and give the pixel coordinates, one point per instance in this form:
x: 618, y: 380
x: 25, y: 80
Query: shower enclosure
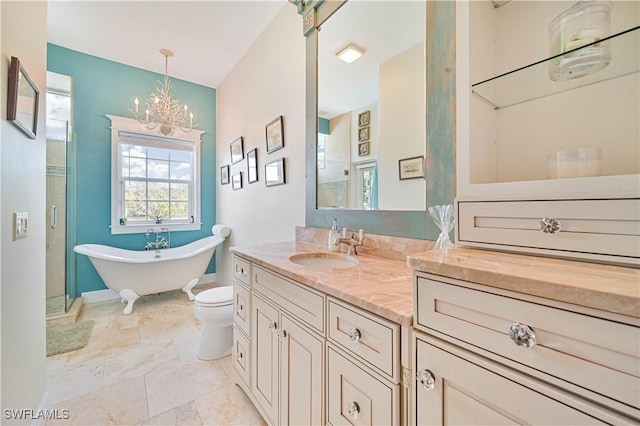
x: 60, y: 202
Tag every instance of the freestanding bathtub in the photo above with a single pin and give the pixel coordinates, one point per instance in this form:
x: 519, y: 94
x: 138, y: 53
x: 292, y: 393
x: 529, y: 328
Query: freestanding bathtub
x: 133, y: 273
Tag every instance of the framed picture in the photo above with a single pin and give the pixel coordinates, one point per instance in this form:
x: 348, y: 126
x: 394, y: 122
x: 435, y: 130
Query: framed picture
x: 237, y: 150
x: 364, y: 118
x: 275, y: 135
x: 363, y: 134
x: 411, y: 168
x: 274, y: 173
x: 224, y: 174
x: 252, y: 165
x: 22, y: 100
x: 363, y: 149
x: 236, y: 181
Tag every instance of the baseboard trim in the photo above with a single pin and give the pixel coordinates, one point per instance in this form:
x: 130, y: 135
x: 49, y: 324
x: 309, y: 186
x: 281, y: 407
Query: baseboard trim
x: 207, y: 279
x: 99, y: 296
x: 108, y: 294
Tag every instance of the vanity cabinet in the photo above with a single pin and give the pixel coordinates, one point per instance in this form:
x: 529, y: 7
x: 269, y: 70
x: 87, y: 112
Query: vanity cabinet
x: 544, y: 166
x: 241, y: 350
x: 287, y: 354
x: 488, y: 355
x: 315, y: 359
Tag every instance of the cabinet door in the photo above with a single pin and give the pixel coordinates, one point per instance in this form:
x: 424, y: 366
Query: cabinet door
x: 355, y: 397
x: 301, y: 373
x: 466, y: 393
x: 240, y: 356
x: 264, y: 356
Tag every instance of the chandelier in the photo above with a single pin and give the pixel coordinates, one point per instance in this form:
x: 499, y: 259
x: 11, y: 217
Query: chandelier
x: 162, y: 109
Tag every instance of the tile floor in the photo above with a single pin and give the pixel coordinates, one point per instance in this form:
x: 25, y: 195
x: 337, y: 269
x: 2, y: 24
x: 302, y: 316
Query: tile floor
x: 142, y: 369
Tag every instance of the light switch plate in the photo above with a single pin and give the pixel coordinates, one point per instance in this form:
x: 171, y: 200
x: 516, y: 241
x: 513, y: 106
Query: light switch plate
x: 20, y: 225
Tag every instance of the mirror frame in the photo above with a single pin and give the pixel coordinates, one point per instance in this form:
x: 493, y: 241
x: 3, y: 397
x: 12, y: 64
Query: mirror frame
x: 440, y: 156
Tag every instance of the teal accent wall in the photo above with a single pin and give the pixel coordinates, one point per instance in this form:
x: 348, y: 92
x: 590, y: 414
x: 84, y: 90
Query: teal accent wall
x: 104, y: 87
x: 324, y: 126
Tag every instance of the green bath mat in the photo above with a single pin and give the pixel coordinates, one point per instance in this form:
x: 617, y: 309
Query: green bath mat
x: 68, y: 337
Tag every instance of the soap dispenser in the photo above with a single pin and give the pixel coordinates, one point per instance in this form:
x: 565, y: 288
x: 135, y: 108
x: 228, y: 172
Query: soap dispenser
x: 333, y: 236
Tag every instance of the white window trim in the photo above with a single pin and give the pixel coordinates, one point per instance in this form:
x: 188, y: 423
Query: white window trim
x: 130, y: 125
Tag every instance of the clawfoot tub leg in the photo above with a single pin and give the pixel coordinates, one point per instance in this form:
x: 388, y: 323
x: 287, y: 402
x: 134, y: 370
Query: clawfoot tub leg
x: 187, y: 288
x: 130, y: 296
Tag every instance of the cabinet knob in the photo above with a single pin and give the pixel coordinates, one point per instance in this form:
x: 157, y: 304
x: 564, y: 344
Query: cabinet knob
x: 426, y: 378
x: 273, y: 326
x: 550, y: 225
x: 240, y: 308
x: 522, y: 335
x: 354, y: 410
x: 354, y: 335
x: 282, y: 334
x: 239, y: 355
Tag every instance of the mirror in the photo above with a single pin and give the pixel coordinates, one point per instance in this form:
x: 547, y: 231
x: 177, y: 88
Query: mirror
x: 372, y: 111
x: 438, y: 22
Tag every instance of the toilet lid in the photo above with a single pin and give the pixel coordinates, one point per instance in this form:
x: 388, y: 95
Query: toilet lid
x: 216, y: 296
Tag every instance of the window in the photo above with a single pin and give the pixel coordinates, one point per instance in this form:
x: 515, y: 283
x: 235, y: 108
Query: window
x: 155, y: 182
x: 58, y: 115
x: 367, y: 187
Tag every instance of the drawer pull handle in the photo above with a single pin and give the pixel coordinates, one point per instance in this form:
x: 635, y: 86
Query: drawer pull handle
x: 240, y: 308
x: 550, y: 225
x: 522, y: 335
x: 282, y: 334
x: 427, y: 379
x: 239, y: 356
x: 354, y: 410
x: 354, y: 335
x: 273, y: 326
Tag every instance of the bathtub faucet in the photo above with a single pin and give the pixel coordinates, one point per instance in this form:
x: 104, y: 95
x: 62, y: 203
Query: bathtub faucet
x: 160, y: 242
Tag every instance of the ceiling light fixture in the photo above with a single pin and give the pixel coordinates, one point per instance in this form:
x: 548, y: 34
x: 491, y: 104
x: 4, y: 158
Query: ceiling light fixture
x: 162, y: 109
x: 350, y: 53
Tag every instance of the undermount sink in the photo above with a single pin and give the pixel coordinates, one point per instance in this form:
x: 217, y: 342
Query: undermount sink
x: 323, y: 261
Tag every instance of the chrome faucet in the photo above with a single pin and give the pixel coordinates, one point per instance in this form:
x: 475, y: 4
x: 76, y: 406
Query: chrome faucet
x: 160, y: 242
x: 351, y: 242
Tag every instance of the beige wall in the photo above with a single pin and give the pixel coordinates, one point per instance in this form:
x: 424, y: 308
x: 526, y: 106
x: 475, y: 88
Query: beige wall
x: 268, y: 81
x: 22, y: 189
x: 333, y: 184
x: 402, y: 129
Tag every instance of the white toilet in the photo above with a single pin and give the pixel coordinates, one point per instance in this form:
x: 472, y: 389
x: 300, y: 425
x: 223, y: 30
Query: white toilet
x: 214, y: 308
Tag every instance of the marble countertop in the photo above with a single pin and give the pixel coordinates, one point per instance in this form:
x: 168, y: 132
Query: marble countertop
x: 608, y: 288
x: 379, y: 285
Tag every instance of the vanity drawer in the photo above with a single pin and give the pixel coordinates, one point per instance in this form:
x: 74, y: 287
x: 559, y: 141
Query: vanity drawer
x: 593, y: 353
x: 242, y: 270
x: 302, y: 302
x: 241, y: 308
x: 373, y: 339
x: 591, y: 229
x: 357, y: 398
x: 240, y: 356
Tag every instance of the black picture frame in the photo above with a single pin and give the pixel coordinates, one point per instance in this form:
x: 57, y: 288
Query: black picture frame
x: 236, y: 181
x: 224, y: 175
x: 411, y: 168
x: 274, y: 173
x: 274, y: 133
x: 252, y: 165
x: 237, y: 150
x: 23, y: 97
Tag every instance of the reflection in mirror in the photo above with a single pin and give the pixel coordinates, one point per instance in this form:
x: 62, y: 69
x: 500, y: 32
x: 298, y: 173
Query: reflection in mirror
x: 372, y: 110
